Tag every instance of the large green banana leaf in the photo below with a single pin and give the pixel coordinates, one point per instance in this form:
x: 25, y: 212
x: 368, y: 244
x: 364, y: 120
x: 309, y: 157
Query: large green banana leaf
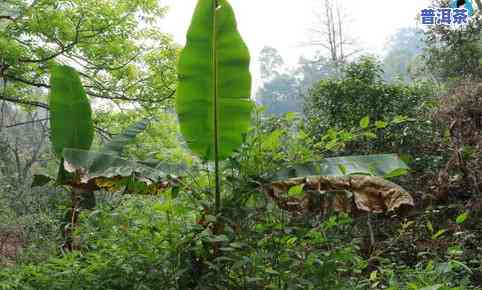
x: 70, y: 113
x: 384, y: 165
x: 213, y: 94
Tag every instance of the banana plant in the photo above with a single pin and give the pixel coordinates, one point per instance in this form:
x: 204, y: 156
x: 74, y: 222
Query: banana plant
x: 71, y: 126
x: 96, y: 169
x: 84, y: 171
x: 106, y: 169
x: 214, y: 85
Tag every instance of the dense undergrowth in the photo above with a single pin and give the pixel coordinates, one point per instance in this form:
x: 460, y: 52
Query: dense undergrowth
x: 148, y: 244
x: 170, y: 240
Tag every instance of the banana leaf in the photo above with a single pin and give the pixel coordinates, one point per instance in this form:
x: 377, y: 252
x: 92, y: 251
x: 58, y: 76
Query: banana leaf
x: 98, y: 170
x: 385, y: 165
x: 213, y: 94
x: 90, y: 165
x: 119, y: 141
x: 70, y: 113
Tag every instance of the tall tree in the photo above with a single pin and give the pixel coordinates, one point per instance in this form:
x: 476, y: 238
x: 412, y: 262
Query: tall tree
x: 342, y: 103
x: 122, y: 56
x: 404, y: 48
x: 280, y: 89
x: 271, y: 62
x: 284, y: 88
x: 330, y: 33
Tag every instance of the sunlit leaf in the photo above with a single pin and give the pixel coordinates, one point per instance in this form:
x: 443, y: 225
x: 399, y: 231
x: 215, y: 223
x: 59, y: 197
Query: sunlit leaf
x: 381, y: 124
x: 462, y: 218
x: 365, y: 122
x: 296, y: 191
x: 214, y: 87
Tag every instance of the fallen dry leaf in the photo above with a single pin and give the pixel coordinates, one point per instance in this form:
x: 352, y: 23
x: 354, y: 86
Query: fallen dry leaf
x: 324, y: 193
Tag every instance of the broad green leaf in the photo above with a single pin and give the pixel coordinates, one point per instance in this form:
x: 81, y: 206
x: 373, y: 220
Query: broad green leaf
x: 117, y: 144
x: 107, y: 166
x: 378, y: 165
x: 70, y: 113
x: 296, y: 191
x: 119, y: 141
x: 213, y: 94
x: 381, y: 124
x: 365, y: 122
x: 108, y: 158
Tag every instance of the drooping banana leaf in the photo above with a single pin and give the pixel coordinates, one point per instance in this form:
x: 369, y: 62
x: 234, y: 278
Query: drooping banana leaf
x: 376, y: 165
x: 385, y: 165
x: 356, y: 182
x: 99, y: 162
x: 119, y: 141
x: 96, y: 169
x: 116, y: 146
x: 70, y: 113
x: 213, y: 94
x: 87, y: 163
x: 323, y: 194
x: 107, y: 170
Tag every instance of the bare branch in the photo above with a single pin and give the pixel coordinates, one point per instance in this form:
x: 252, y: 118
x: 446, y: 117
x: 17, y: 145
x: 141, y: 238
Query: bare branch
x: 24, y: 102
x: 27, y: 82
x: 329, y: 32
x: 26, y: 123
x: 116, y: 96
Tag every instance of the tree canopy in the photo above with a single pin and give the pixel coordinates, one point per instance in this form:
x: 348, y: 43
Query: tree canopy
x: 115, y: 45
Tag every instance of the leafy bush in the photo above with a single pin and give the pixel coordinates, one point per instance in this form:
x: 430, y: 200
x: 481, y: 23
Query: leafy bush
x: 131, y: 247
x: 362, y: 92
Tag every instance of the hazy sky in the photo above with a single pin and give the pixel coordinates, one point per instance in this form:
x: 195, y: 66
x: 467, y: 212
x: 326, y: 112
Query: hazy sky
x: 285, y: 24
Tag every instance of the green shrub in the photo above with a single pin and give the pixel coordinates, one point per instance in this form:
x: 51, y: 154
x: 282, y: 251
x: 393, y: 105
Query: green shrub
x: 342, y: 103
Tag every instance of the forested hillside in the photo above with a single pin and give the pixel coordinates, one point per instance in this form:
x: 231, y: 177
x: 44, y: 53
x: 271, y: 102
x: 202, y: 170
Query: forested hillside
x: 129, y: 161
